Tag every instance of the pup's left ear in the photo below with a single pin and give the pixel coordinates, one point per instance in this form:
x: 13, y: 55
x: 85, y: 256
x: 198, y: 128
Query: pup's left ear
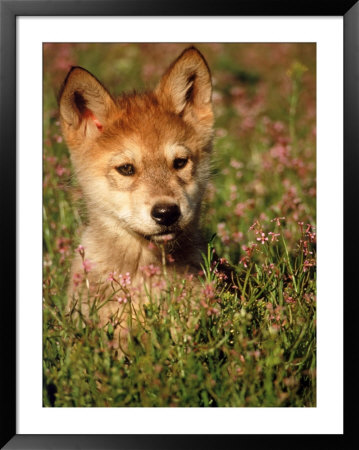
x: 186, y: 88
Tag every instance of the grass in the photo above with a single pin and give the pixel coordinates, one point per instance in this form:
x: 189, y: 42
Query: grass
x: 252, y: 345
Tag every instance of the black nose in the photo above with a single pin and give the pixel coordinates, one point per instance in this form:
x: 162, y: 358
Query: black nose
x: 165, y: 213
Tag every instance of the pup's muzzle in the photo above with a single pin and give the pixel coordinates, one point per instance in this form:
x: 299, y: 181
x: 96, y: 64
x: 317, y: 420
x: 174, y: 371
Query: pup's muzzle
x: 165, y: 213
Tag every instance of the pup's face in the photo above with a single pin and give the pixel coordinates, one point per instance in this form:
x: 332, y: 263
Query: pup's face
x: 142, y: 160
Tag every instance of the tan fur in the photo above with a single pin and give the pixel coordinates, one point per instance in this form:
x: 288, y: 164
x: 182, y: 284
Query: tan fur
x: 149, y: 131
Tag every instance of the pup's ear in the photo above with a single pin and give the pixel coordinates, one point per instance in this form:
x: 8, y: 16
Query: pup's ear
x: 186, y: 87
x: 85, y: 105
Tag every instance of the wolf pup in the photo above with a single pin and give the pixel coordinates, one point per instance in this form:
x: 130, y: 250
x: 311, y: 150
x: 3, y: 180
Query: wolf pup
x: 142, y: 162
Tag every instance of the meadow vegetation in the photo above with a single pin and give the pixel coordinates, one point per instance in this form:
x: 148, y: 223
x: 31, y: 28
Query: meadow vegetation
x: 250, y: 344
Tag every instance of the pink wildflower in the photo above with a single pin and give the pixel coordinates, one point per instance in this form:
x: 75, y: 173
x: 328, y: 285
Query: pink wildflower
x: 239, y: 209
x: 244, y: 260
x: 87, y: 265
x: 312, y: 236
x: 209, y: 290
x: 274, y: 236
x: 306, y: 249
x: 52, y: 160
x: 277, y: 220
x: 112, y: 276
x: 263, y: 238
x: 308, y: 263
x: 289, y: 299
x: 60, y: 170
x: 63, y: 245
x: 77, y: 279
x: 278, y: 126
x: 170, y: 258
x: 249, y: 250
x: 220, y: 275
x: 212, y: 311
x: 222, y: 233
x: 124, y: 280
x: 255, y: 225
x: 237, y: 236
x: 309, y: 227
x: 81, y: 250
x: 221, y: 132
x: 268, y: 268
x: 121, y: 300
x: 151, y: 270
x: 236, y: 164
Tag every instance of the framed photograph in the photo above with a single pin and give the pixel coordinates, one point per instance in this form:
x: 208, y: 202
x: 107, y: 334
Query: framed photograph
x: 173, y: 183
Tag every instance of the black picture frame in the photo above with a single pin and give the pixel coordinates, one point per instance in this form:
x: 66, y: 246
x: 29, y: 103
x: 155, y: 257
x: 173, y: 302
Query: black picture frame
x: 9, y: 10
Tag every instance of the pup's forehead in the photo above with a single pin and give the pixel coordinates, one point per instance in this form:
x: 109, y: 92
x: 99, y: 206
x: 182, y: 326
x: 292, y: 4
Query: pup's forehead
x: 142, y: 124
x: 149, y: 131
x: 132, y: 148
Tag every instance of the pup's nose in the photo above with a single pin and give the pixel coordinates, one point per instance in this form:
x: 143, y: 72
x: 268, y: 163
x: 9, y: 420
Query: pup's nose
x: 165, y: 213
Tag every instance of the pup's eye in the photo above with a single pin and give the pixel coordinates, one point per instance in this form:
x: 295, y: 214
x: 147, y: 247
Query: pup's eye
x: 127, y: 170
x: 179, y: 163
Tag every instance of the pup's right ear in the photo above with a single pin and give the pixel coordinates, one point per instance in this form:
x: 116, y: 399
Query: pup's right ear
x: 85, y: 106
